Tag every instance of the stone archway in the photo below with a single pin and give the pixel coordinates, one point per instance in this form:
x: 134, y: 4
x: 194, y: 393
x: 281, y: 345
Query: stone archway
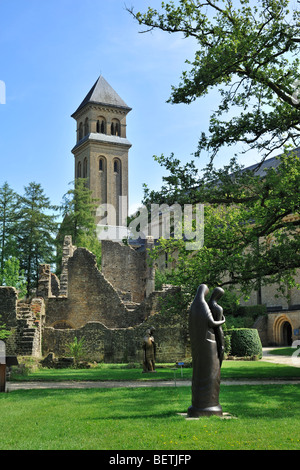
x: 287, y: 333
x: 282, y: 331
x: 62, y: 325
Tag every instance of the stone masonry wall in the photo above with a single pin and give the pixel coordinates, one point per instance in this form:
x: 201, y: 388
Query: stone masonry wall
x: 89, y: 296
x: 8, y: 306
x: 122, y: 344
x: 125, y: 268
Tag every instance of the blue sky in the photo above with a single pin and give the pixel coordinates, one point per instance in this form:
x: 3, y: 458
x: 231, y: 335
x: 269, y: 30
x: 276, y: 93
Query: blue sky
x: 52, y: 52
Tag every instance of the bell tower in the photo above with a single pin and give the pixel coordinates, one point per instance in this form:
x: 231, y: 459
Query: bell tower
x: 101, y: 150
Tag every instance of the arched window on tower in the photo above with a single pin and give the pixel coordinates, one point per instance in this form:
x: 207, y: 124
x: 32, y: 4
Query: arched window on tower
x: 79, y: 170
x: 101, y: 125
x: 116, y: 166
x: 86, y: 126
x: 80, y: 132
x: 85, y: 168
x: 101, y: 163
x: 115, y: 127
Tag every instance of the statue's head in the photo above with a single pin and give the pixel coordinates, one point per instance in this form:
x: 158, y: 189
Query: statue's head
x: 217, y: 293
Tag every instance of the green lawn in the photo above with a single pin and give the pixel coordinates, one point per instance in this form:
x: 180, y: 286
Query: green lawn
x: 289, y: 351
x: 261, y: 416
x: 266, y: 417
x: 230, y: 370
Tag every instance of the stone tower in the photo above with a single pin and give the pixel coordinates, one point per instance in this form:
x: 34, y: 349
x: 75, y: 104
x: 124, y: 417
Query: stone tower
x: 101, y: 150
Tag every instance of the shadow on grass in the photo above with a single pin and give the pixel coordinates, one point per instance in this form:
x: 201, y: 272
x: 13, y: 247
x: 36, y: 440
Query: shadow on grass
x: 257, y: 401
x: 251, y: 401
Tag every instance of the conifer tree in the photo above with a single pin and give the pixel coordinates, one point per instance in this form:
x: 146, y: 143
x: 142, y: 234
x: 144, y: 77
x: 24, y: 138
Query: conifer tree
x: 35, y: 233
x: 78, y: 211
x: 8, y: 219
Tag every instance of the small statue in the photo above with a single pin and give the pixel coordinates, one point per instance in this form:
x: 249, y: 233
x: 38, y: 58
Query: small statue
x: 207, y: 344
x: 149, y: 349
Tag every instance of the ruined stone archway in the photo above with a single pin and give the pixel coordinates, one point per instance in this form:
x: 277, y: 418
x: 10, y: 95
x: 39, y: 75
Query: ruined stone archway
x: 282, y: 331
x: 62, y: 325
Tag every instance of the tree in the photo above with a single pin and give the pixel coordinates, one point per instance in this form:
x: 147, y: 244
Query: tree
x: 251, y: 229
x: 4, y: 332
x: 250, y: 52
x: 13, y: 276
x: 35, y: 232
x: 8, y: 219
x: 78, y: 212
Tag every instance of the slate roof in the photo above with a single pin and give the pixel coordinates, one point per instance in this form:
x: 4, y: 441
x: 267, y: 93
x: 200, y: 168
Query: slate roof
x: 268, y: 163
x: 102, y: 93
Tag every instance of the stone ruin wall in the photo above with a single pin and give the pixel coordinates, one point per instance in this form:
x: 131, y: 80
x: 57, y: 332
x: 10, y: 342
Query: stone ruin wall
x: 121, y: 345
x: 25, y: 321
x: 83, y: 303
x: 111, y: 318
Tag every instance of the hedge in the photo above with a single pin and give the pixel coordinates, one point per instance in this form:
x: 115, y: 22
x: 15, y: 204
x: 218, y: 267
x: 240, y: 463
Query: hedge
x: 245, y: 342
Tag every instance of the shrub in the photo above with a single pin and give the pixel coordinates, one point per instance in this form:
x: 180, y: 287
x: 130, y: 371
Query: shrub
x: 227, y: 344
x: 245, y: 342
x: 76, y: 349
x: 237, y: 322
x: 253, y: 311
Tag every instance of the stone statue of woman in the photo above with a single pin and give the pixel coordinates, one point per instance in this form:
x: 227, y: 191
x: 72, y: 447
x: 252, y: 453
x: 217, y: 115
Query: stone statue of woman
x: 149, y: 351
x: 206, y: 335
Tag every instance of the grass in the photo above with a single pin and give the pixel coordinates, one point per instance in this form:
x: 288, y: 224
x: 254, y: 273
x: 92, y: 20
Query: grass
x: 266, y: 417
x: 286, y: 351
x: 263, y: 417
x: 105, y: 372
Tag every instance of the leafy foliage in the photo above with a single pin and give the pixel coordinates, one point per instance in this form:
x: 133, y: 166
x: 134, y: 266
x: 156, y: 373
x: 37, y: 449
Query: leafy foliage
x: 8, y: 219
x: 13, y: 276
x: 35, y: 232
x: 27, y: 228
x: 78, y: 211
x: 249, y: 51
x: 245, y: 342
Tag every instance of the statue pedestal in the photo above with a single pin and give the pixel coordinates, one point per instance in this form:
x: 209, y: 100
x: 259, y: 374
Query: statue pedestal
x: 197, y: 412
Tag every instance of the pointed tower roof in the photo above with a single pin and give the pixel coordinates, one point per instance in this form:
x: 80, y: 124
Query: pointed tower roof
x: 102, y: 93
